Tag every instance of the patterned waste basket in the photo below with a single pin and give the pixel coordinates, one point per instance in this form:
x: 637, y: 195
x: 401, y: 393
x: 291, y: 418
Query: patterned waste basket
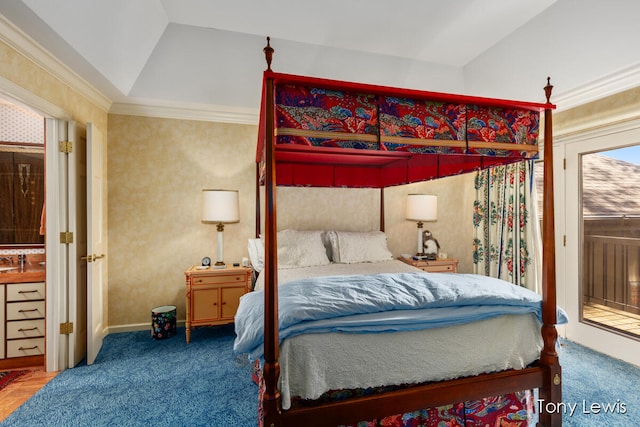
x: 163, y: 322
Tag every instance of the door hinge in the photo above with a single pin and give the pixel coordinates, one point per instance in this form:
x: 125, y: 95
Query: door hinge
x: 564, y: 164
x: 66, y: 328
x: 66, y: 147
x: 564, y: 240
x: 66, y: 237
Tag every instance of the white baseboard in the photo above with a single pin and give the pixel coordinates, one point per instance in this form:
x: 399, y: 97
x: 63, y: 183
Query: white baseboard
x: 137, y: 327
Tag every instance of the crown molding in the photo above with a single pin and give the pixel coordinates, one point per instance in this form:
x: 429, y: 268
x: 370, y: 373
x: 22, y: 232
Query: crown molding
x: 19, y: 95
x: 210, y: 113
x: 624, y: 79
x: 33, y: 51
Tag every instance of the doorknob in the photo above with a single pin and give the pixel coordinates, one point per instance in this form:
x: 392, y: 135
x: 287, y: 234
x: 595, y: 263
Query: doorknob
x: 95, y: 257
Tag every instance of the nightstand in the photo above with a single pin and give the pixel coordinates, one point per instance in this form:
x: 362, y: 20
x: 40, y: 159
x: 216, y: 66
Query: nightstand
x: 213, y: 295
x: 440, y: 265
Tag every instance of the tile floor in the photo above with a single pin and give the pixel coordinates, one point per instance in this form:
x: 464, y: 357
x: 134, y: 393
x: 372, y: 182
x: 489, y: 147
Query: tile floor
x: 627, y: 323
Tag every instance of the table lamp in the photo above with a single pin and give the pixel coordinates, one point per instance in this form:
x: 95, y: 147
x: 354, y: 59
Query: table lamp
x: 421, y: 207
x: 221, y: 207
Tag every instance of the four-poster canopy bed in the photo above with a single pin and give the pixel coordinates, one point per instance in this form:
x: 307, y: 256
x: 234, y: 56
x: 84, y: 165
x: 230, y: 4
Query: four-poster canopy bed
x: 324, y: 133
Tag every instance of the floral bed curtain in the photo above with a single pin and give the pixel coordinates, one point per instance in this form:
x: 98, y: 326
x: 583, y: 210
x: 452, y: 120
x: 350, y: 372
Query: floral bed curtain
x: 505, y: 241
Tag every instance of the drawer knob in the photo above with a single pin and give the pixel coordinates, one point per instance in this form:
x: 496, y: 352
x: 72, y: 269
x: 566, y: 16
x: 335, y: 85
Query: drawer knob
x: 28, y: 329
x: 26, y: 311
x: 28, y: 292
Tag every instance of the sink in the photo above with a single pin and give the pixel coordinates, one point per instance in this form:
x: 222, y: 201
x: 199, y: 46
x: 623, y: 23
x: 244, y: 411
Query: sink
x: 2, y: 269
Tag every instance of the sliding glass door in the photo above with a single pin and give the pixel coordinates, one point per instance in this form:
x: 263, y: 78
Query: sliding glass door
x: 600, y: 214
x: 610, y: 207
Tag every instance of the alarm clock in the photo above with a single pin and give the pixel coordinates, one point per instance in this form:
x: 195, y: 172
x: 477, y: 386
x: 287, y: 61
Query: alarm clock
x: 206, y: 261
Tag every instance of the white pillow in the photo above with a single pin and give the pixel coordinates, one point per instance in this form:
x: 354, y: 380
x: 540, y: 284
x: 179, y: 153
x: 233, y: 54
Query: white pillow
x: 349, y: 247
x: 256, y: 254
x: 297, y: 248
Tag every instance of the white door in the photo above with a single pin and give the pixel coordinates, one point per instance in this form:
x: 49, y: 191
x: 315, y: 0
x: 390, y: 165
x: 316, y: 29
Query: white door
x: 95, y: 241
x: 57, y: 253
x: 66, y: 294
x: 575, y: 147
x: 77, y: 266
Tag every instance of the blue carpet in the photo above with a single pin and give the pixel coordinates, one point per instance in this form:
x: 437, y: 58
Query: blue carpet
x: 137, y: 381
x: 593, y: 382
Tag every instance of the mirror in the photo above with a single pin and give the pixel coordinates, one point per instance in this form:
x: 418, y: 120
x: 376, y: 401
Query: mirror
x: 21, y: 196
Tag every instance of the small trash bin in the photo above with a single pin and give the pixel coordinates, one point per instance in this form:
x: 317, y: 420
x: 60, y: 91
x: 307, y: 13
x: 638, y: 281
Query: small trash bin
x: 163, y: 322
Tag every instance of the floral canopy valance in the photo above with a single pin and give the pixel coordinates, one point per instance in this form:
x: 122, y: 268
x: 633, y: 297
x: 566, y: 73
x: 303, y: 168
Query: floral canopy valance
x: 329, y: 133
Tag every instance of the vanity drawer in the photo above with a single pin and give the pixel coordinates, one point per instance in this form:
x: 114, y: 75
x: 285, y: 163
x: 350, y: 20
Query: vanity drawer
x: 25, y: 291
x: 25, y: 310
x: 220, y: 278
x: 25, y: 329
x: 26, y: 347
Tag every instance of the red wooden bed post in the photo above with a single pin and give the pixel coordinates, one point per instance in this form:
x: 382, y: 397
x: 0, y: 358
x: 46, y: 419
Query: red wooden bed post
x: 552, y: 390
x: 271, y: 370
x: 382, y: 209
x: 257, y: 200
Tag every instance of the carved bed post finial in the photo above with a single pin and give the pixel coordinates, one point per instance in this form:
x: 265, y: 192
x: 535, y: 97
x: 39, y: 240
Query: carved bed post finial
x: 547, y: 89
x: 268, y: 53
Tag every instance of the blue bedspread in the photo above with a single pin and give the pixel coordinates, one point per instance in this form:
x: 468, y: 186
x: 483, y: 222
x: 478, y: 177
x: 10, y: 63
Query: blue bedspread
x: 381, y: 303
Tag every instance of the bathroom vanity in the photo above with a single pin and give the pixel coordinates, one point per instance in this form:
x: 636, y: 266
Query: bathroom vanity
x: 22, y: 315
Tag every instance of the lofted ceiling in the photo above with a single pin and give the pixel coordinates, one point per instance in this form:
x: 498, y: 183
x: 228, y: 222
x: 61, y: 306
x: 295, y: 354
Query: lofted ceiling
x: 204, y: 54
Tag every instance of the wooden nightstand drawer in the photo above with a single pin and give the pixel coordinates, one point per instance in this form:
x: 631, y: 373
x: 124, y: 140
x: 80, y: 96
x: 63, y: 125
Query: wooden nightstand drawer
x: 440, y: 265
x: 25, y: 291
x: 220, y: 278
x: 439, y: 268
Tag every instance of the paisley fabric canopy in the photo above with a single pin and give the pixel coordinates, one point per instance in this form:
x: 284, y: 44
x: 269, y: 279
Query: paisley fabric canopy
x: 336, y: 134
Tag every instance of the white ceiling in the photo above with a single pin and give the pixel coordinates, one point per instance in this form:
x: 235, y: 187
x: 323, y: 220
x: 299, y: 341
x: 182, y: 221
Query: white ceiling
x: 203, y: 53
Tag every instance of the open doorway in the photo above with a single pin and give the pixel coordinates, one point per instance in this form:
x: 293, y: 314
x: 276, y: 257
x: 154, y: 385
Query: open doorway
x: 597, y: 210
x: 22, y: 236
x: 65, y: 301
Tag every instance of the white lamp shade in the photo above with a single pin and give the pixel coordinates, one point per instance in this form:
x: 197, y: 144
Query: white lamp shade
x: 422, y: 207
x: 220, y: 206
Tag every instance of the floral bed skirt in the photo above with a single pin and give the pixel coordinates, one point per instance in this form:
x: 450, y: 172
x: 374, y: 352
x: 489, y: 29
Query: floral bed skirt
x: 509, y: 410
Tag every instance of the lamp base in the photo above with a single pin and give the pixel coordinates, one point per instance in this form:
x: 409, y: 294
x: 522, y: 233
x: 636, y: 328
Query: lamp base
x: 219, y: 265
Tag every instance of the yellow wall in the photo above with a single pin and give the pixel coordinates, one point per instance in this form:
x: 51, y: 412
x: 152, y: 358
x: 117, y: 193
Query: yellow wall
x: 158, y: 168
x: 607, y: 111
